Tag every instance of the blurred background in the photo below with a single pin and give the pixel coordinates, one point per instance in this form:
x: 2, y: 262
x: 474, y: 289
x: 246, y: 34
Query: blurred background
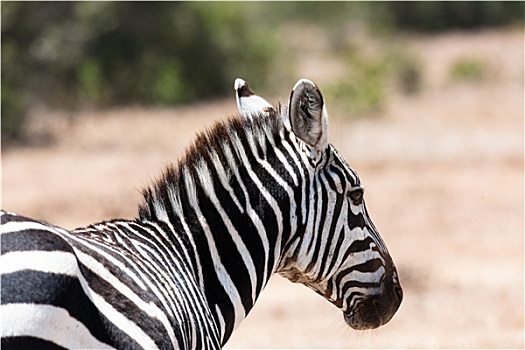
x: 76, y: 55
x: 426, y: 101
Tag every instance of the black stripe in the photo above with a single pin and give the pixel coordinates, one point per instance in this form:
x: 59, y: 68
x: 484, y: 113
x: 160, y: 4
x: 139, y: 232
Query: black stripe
x: 257, y: 201
x: 367, y: 266
x: 29, y: 343
x: 302, y: 218
x: 126, y: 307
x: 214, y: 291
x: 160, y: 270
x: 8, y: 217
x: 354, y: 298
x: 247, y: 232
x: 151, y: 265
x: 166, y: 280
x: 320, y: 217
x: 358, y: 284
x: 371, y: 265
x: 334, y: 219
x: 276, y: 164
x: 263, y: 208
x: 31, y: 240
x: 349, y: 174
x: 230, y: 257
x: 36, y: 287
x: 359, y: 245
x: 115, y: 253
x: 336, y: 248
x: 375, y: 233
x: 244, y: 91
x: 355, y: 220
x: 319, y: 235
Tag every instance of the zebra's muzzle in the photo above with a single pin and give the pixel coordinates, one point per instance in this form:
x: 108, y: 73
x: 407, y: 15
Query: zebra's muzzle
x: 363, y: 318
x: 376, y: 310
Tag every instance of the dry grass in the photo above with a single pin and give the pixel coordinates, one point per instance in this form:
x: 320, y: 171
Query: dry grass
x: 444, y: 176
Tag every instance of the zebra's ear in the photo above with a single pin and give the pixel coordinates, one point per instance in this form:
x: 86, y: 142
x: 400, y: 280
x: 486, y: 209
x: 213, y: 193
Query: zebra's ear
x: 248, y: 102
x: 308, y: 115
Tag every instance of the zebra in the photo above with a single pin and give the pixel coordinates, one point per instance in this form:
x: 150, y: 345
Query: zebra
x: 258, y: 193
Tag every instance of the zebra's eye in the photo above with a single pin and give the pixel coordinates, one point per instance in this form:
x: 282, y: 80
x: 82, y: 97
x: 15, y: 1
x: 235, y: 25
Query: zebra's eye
x: 356, y: 196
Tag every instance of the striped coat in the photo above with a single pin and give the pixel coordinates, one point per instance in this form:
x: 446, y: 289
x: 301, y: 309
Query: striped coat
x: 257, y: 194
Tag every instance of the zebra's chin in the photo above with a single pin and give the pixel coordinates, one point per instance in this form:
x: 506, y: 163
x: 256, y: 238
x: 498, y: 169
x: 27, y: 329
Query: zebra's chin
x: 372, y: 312
x: 363, y: 321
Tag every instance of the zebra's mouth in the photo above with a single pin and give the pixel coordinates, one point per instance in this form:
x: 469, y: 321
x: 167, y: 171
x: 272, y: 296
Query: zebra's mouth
x: 363, y: 318
x: 376, y: 310
x: 372, y: 312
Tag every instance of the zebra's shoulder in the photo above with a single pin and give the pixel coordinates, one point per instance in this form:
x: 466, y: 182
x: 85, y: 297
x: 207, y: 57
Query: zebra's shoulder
x: 23, y: 234
x: 8, y: 216
x: 14, y: 219
x: 111, y: 231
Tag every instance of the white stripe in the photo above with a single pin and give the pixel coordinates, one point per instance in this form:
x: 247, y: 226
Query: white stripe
x: 47, y: 322
x: 225, y: 179
x: 201, y: 305
x: 160, y: 284
x: 149, y: 308
x: 293, y: 205
x: 252, y: 214
x: 293, y: 150
x: 269, y: 198
x: 364, y: 277
x: 157, y: 279
x: 285, y: 116
x: 53, y: 262
x: 367, y: 277
x: 14, y: 226
x: 203, y: 173
x: 340, y: 225
x: 108, y: 257
x: 222, y: 324
x: 302, y: 245
x: 160, y: 211
x: 282, y: 158
x: 220, y: 270
x: 174, y: 197
x: 118, y: 319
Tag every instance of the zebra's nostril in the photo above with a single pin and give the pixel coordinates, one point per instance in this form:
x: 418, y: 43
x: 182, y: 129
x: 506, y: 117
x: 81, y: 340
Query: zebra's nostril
x: 399, y: 292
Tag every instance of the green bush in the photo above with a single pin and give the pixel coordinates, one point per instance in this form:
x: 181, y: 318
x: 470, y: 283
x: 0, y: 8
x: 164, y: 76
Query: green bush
x: 432, y: 16
x: 13, y: 115
x: 98, y: 54
x: 74, y: 54
x: 364, y: 88
x: 468, y: 69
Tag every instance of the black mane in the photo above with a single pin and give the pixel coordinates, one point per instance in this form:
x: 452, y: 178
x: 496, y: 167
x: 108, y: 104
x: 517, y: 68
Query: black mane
x: 211, y: 141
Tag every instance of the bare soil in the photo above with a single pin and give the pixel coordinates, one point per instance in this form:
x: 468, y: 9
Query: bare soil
x: 444, y: 172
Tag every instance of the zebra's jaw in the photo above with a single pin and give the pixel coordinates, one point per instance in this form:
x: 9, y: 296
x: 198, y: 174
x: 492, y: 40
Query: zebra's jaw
x: 296, y: 276
x: 375, y: 310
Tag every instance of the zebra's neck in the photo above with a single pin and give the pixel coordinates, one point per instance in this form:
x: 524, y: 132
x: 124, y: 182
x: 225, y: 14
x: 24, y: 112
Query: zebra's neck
x: 234, y: 199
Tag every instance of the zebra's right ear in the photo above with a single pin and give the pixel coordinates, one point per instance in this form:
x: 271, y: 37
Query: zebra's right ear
x: 248, y: 102
x: 308, y: 115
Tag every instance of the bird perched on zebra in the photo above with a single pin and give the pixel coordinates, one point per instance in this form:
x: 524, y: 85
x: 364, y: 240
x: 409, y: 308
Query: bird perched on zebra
x: 259, y: 193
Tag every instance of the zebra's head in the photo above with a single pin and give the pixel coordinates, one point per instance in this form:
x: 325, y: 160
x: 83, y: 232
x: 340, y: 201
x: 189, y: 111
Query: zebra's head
x: 336, y: 250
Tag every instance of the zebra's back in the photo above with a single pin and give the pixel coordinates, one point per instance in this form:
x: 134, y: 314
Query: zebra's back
x: 103, y: 284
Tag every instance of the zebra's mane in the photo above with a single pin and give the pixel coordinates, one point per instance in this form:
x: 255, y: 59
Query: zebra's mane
x: 223, y: 142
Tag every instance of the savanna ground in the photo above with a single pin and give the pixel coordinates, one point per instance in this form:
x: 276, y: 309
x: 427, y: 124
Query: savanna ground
x: 443, y: 170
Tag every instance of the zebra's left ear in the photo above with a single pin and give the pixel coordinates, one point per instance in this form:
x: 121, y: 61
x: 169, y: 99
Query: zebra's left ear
x: 308, y: 115
x: 248, y: 102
